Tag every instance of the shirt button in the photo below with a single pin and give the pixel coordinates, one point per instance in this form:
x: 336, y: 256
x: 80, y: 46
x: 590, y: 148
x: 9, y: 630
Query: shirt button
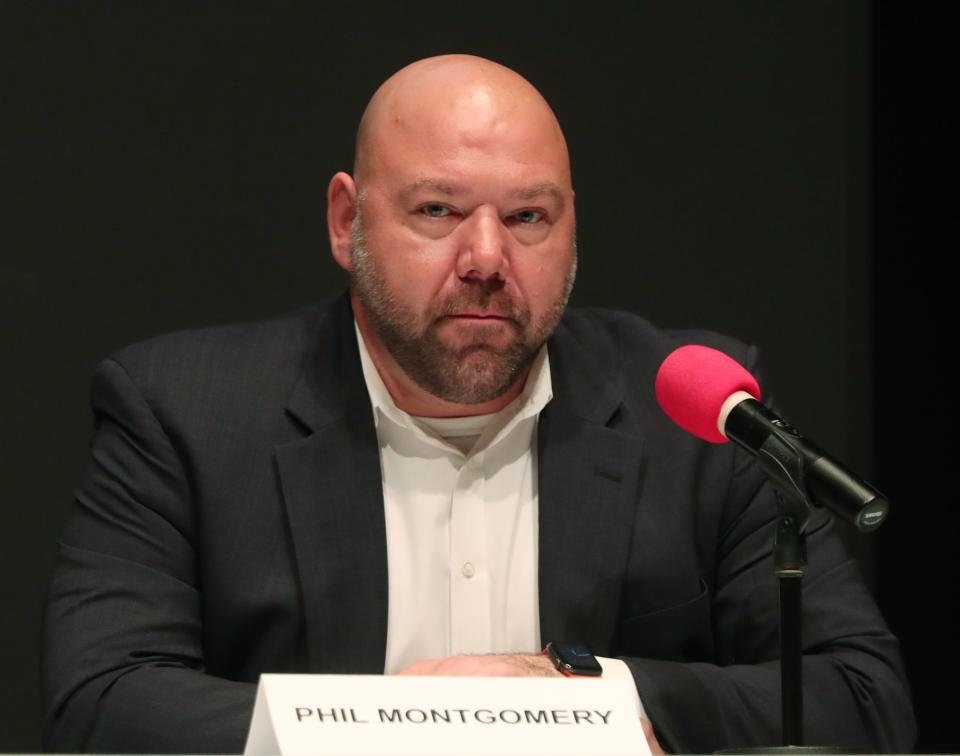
x: 468, y: 570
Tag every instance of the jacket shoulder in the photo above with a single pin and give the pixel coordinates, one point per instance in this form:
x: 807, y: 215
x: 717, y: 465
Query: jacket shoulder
x: 212, y: 374
x: 229, y: 349
x: 634, y: 343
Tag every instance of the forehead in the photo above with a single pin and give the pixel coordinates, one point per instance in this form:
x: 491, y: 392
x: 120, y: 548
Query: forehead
x: 467, y: 134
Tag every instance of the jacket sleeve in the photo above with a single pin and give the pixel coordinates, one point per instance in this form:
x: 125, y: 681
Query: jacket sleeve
x: 123, y: 662
x: 856, y: 694
x: 855, y: 691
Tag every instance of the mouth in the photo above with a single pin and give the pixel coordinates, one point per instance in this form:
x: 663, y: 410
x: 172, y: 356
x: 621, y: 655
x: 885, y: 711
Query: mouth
x: 491, y: 316
x: 493, y: 324
x: 480, y: 320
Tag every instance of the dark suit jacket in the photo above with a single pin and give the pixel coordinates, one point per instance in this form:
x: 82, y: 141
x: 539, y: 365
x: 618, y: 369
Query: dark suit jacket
x: 231, y: 523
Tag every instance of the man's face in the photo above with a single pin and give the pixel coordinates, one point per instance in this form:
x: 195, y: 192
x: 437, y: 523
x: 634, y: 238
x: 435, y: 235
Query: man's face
x: 463, y: 254
x: 467, y: 347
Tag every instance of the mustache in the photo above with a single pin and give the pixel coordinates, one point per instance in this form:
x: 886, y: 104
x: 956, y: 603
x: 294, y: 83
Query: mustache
x: 488, y: 298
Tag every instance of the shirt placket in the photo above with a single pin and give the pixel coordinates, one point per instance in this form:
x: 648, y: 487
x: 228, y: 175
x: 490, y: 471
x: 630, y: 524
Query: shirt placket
x: 469, y: 573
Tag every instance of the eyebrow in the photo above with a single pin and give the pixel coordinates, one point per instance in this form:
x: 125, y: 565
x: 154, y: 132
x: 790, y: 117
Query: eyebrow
x: 538, y: 190
x: 527, y: 193
x: 428, y: 183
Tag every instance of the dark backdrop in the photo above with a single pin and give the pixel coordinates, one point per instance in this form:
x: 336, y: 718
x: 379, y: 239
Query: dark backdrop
x: 915, y: 246
x: 166, y: 167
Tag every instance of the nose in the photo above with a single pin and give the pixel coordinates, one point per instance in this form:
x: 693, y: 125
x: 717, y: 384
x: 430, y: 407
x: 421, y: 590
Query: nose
x: 483, y: 247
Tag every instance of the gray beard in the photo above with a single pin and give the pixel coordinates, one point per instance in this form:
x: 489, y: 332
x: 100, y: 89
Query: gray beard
x: 472, y: 373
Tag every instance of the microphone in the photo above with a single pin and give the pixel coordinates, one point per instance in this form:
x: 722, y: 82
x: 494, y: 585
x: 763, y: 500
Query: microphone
x: 715, y: 398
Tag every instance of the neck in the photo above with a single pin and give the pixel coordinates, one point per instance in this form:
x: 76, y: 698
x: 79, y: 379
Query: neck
x: 408, y: 395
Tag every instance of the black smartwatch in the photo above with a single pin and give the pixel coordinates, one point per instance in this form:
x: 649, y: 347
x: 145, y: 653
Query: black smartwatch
x: 573, y: 659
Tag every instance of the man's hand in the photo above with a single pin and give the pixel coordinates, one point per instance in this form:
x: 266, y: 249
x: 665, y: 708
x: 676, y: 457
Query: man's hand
x: 655, y: 748
x: 503, y: 665
x: 485, y: 665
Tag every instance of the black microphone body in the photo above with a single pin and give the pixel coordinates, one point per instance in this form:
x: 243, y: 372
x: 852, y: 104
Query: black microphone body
x: 797, y: 464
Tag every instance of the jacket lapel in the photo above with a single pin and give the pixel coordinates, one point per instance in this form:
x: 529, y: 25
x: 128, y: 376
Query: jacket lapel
x: 331, y: 487
x: 589, y: 477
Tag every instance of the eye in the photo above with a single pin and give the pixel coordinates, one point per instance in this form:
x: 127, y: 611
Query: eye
x: 434, y: 210
x: 528, y: 217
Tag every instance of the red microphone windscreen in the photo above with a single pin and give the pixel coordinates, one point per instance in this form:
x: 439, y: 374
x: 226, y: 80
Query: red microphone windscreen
x: 694, y: 382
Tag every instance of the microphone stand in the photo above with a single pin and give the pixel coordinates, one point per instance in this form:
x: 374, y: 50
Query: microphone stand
x: 790, y: 558
x: 785, y: 468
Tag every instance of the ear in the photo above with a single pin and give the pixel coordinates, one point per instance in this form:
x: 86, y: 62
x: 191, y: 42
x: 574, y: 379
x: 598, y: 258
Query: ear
x: 341, y: 210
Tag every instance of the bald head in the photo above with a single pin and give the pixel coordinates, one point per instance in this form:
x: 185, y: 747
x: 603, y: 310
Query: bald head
x: 456, y: 101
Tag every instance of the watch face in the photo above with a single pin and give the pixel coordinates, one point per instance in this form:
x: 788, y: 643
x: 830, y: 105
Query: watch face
x: 575, y: 659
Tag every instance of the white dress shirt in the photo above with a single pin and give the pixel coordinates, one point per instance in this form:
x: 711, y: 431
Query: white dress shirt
x: 460, y: 502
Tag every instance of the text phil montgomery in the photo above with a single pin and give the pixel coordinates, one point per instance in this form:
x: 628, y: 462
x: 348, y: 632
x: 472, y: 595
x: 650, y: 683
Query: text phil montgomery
x: 455, y: 716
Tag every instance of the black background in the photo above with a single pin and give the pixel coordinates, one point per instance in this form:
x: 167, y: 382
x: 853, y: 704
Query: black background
x: 781, y: 171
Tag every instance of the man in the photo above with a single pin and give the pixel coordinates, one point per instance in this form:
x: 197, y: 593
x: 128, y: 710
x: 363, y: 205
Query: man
x: 408, y: 479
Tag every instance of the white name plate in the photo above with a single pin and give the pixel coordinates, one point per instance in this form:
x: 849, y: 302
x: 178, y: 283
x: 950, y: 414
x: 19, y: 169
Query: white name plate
x: 495, y: 716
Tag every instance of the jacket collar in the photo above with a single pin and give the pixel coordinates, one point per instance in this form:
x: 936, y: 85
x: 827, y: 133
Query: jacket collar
x: 331, y: 385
